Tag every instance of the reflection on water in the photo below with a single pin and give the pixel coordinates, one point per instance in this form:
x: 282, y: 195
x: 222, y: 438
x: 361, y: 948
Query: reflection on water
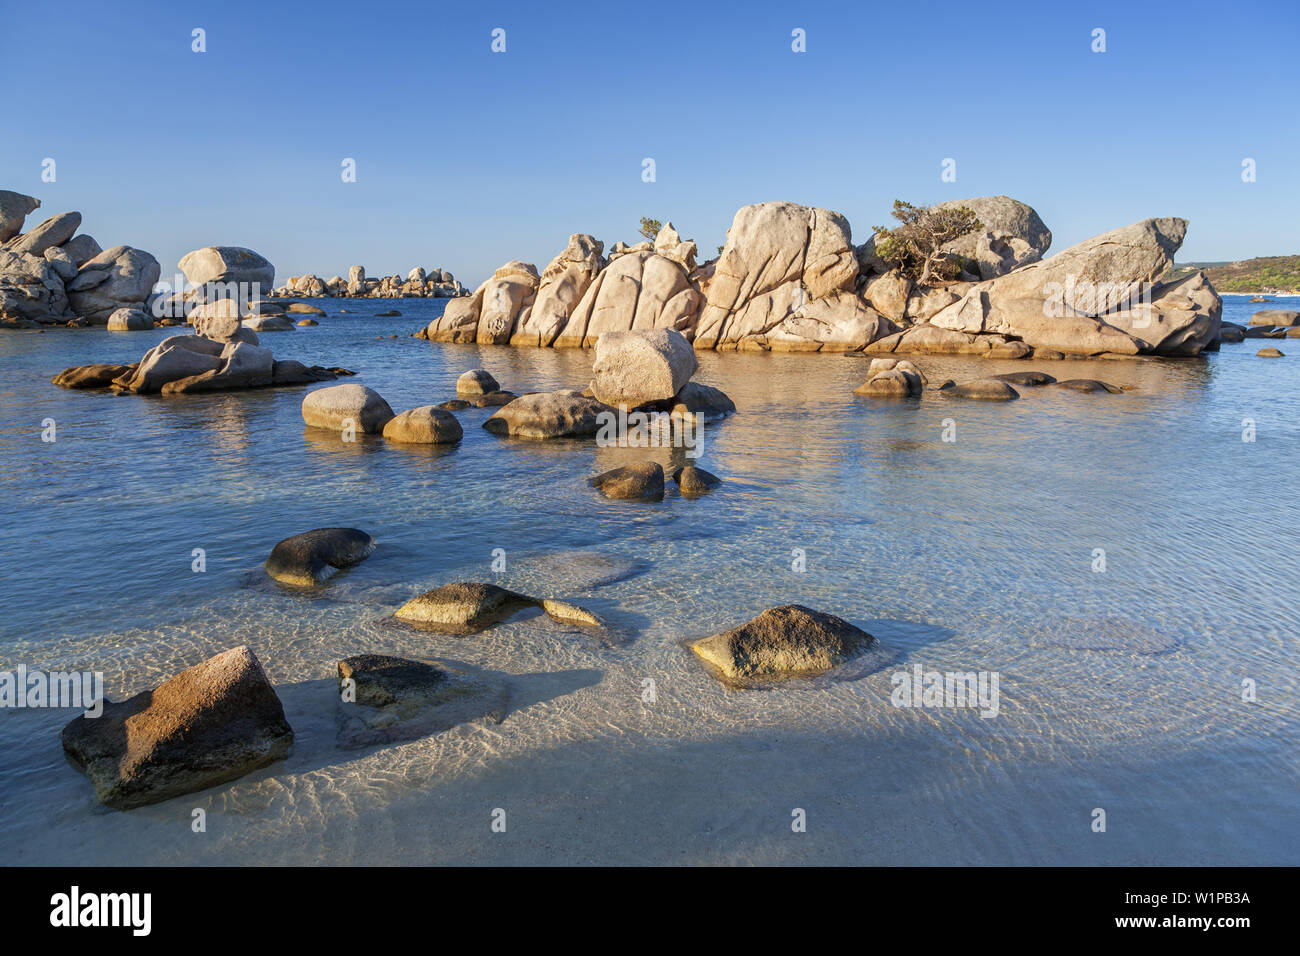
x: 1120, y: 688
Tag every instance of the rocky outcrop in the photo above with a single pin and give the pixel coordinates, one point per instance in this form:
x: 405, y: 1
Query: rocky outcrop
x: 778, y: 256
x: 418, y: 283
x: 563, y: 283
x: 54, y: 231
x: 781, y: 643
x: 307, y: 559
x: 120, y: 277
x: 641, y: 290
x: 789, y: 279
x: 1011, y: 235
x: 212, y: 723
x: 14, y: 209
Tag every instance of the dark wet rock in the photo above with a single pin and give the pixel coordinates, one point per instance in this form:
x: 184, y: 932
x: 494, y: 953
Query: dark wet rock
x: 91, y: 376
x: 387, y: 699
x: 643, y: 481
x: 476, y: 381
x: 426, y: 425
x: 782, y: 642
x: 693, y: 482
x: 983, y: 389
x: 1258, y: 332
x: 1231, y: 332
x: 1088, y: 385
x: 307, y: 559
x: 455, y: 405
x: 390, y: 313
x: 1029, y: 379
x: 209, y: 724
x: 494, y: 399
x: 566, y: 413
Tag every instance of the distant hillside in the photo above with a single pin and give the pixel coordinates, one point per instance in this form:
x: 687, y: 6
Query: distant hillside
x: 1279, y: 275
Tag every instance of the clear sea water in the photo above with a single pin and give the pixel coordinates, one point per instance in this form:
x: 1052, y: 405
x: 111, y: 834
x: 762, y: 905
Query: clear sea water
x: 1120, y: 690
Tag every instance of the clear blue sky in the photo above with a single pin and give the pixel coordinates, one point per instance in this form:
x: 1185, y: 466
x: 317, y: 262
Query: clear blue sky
x: 467, y: 159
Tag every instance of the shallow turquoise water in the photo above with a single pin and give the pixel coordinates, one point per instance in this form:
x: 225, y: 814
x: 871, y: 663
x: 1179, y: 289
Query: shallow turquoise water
x: 1119, y: 690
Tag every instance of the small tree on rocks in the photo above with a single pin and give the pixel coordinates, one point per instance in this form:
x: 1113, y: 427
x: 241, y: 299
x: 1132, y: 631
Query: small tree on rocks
x: 915, y: 246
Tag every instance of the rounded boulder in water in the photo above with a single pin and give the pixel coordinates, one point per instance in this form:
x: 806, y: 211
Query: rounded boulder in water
x: 307, y: 559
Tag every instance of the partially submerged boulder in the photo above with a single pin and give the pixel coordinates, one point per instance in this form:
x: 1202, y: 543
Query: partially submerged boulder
x: 307, y: 559
x: 643, y: 481
x: 476, y: 381
x: 340, y: 406
x: 426, y: 425
x: 781, y: 643
x: 983, y: 389
x: 693, y: 482
x: 209, y: 724
x: 468, y: 606
x: 99, y: 375
x: 565, y: 413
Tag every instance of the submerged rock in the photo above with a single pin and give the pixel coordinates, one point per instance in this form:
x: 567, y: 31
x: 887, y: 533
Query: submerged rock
x: 387, y: 699
x: 209, y: 724
x: 1026, y: 378
x: 1088, y: 385
x: 643, y: 481
x: 782, y: 642
x: 307, y: 559
x: 984, y: 389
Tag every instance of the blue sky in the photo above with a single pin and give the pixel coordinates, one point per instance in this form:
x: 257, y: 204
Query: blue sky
x: 468, y: 158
